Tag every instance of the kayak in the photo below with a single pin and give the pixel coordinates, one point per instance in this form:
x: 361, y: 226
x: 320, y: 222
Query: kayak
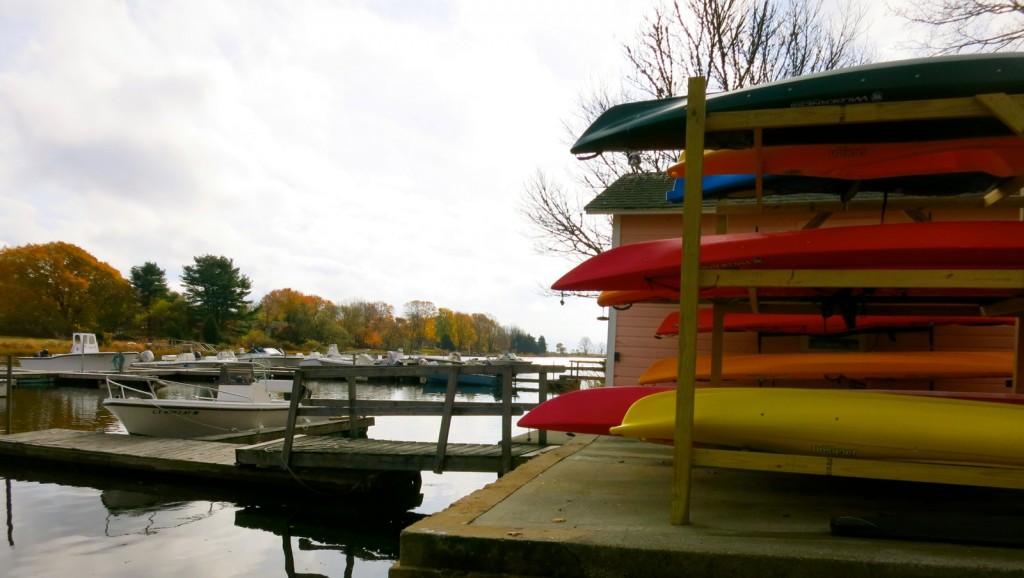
x: 661, y: 124
x: 721, y: 186
x: 839, y: 423
x: 803, y: 324
x: 926, y: 245
x: 1001, y: 156
x: 850, y: 365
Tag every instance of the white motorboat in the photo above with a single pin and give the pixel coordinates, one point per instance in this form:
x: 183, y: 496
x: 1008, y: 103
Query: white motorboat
x: 271, y: 357
x: 85, y: 356
x: 197, y: 411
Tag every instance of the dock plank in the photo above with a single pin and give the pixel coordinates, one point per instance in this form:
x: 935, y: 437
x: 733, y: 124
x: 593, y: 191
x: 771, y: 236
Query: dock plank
x: 346, y: 453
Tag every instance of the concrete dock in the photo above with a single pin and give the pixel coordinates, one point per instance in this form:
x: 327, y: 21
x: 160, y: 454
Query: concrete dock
x: 599, y: 507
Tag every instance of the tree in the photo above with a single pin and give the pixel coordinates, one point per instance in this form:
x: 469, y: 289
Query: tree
x: 542, y: 345
x: 956, y: 26
x: 732, y: 43
x: 586, y: 345
x: 419, y: 316
x: 150, y: 283
x: 56, y: 288
x: 216, y: 290
x: 295, y: 318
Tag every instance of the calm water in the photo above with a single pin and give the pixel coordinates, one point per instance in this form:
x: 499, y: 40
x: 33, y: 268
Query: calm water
x: 61, y: 523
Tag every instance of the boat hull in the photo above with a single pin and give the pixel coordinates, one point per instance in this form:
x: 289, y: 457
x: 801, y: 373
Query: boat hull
x: 194, y: 418
x: 78, y: 362
x: 661, y: 124
x: 832, y: 423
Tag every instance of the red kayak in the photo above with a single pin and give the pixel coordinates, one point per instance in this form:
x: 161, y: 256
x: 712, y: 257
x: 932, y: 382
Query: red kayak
x: 1001, y: 156
x: 591, y: 411
x: 929, y: 245
x: 800, y: 324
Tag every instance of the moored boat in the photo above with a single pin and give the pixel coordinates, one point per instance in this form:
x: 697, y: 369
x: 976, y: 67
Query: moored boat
x: 203, y: 410
x: 85, y: 356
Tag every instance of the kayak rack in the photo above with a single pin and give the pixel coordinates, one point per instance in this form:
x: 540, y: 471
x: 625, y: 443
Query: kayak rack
x: 1005, y: 107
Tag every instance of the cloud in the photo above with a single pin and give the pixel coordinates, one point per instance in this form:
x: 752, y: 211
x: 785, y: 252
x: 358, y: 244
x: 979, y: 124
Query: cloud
x: 352, y: 150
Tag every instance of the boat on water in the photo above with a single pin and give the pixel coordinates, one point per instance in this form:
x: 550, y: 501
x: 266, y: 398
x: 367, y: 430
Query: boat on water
x: 839, y: 423
x: 198, y: 410
x: 85, y: 356
x: 270, y: 356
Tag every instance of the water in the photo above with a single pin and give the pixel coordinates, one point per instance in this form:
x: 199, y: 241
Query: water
x: 88, y: 523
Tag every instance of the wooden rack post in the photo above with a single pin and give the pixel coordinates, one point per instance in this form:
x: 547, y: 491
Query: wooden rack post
x: 689, y: 269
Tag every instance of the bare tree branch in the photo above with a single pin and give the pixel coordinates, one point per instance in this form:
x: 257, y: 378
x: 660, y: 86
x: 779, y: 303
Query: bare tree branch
x: 955, y: 26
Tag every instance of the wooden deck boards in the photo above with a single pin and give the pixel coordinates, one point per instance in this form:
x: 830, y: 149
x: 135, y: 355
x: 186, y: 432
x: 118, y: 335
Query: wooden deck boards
x: 346, y: 453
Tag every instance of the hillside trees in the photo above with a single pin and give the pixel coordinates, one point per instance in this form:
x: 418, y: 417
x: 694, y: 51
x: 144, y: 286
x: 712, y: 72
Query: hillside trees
x: 53, y: 289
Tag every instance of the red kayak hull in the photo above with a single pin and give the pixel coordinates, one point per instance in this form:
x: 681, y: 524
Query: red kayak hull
x: 930, y: 245
x: 590, y: 411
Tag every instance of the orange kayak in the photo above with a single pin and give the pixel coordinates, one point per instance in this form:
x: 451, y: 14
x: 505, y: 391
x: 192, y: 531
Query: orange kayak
x: 857, y: 365
x: 1000, y: 156
x: 800, y: 324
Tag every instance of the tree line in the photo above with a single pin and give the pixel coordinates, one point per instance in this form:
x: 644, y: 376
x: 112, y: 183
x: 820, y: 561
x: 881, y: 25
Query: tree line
x: 54, y: 289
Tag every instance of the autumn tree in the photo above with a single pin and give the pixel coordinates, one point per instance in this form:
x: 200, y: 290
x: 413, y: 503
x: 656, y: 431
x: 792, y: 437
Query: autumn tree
x: 216, y: 290
x: 419, y: 317
x: 733, y: 44
x: 293, y: 317
x: 57, y: 288
x: 371, y: 324
x: 954, y: 26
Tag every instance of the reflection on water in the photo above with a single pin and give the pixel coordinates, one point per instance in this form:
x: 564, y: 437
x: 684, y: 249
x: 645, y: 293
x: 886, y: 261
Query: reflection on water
x: 131, y: 526
x: 79, y: 523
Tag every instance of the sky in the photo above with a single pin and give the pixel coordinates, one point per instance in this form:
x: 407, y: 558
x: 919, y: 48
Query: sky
x: 353, y: 150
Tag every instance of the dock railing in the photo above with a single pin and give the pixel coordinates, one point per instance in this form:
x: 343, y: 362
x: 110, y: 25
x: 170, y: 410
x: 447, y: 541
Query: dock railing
x: 357, y: 408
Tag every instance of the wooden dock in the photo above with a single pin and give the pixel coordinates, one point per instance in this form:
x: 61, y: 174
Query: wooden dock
x: 208, y: 462
x: 361, y: 454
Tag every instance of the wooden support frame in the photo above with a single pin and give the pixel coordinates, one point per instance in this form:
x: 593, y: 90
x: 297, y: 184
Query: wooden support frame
x: 1008, y: 108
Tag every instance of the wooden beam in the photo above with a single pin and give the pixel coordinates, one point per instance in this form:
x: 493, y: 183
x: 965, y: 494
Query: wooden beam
x: 687, y: 368
x: 1005, y: 191
x: 917, y: 215
x: 1007, y: 109
x: 817, y: 220
x: 1013, y: 306
x: 857, y: 468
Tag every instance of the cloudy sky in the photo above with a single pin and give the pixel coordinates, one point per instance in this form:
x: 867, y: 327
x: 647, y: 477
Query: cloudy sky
x: 351, y: 149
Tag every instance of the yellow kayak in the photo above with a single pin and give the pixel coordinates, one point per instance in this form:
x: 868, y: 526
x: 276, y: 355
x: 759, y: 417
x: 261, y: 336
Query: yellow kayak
x: 840, y: 423
x: 847, y: 364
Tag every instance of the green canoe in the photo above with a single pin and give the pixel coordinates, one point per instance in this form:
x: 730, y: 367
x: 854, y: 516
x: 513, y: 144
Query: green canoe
x: 661, y: 124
